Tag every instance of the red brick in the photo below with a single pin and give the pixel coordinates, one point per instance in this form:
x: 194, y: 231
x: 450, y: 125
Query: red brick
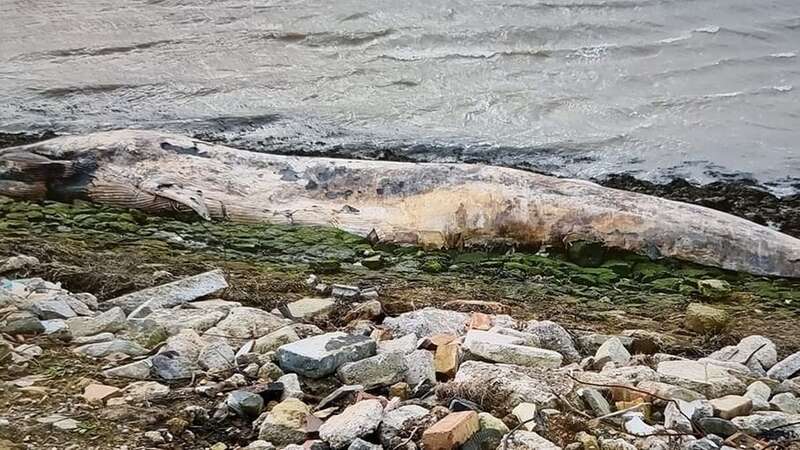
x: 450, y: 432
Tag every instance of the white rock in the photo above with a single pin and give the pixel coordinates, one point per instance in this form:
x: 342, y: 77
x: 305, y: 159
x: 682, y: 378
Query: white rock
x: 245, y: 323
x: 553, y: 336
x: 786, y: 402
x: 528, y: 440
x: 612, y: 350
x: 516, y: 354
x: 758, y: 353
x: 357, y: 420
x: 474, y: 336
x: 291, y: 386
x: 379, y: 370
x: 788, y: 368
x: 420, y: 367
x: 175, y: 320
x: 427, y: 322
x: 102, y: 349
x: 270, y: 342
x: 309, y: 308
x: 758, y: 392
x: 173, y: 294
x: 405, y: 344
x: 521, y: 384
x: 216, y: 356
x: 710, y: 380
x: 320, y: 356
x: 110, y: 321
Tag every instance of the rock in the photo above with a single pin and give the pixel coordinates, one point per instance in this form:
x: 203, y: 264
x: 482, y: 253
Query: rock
x: 718, y: 426
x: 216, y: 356
x: 515, y: 354
x: 360, y: 444
x: 612, y: 350
x: 587, y: 442
x: 710, y: 380
x: 56, y: 308
x: 528, y: 339
x: 270, y: 342
x: 93, y: 339
x: 704, y: 319
x: 634, y: 424
x: 138, y: 370
x: 245, y: 404
x: 670, y: 391
x: 103, y: 349
x: 270, y: 371
x: 400, y: 390
x: 309, y: 308
x: 154, y: 437
x: 145, y: 391
x: 452, y: 431
x: 553, y: 336
x: 446, y: 359
x: 528, y: 440
x: 758, y: 393
x: 398, y: 423
x: 172, y: 294
x: 595, y: 401
x: 21, y: 322
x: 345, y: 292
x: 245, y: 323
x: 320, y: 356
x: 405, y: 344
x: 14, y: 263
x: 97, y: 394
x: 714, y: 289
x: 379, y: 370
x: 761, y: 422
x: 526, y: 415
x: 55, y: 326
x: 590, y: 342
x: 285, y: 423
x: 678, y: 416
x: 291, y: 386
x: 474, y: 337
x: 260, y: 445
x: 757, y: 353
x: 788, y: 368
x: 110, y: 321
x: 420, y: 367
x: 517, y: 384
x: 479, y: 321
x: 369, y: 310
x: 701, y: 444
x: 489, y: 435
x: 428, y: 322
x: 786, y: 402
x: 175, y: 320
x: 357, y: 420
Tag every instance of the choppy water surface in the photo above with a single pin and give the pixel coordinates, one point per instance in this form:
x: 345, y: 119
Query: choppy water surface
x: 697, y: 88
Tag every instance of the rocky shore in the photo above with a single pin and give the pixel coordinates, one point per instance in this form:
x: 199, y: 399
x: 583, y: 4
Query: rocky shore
x: 176, y: 366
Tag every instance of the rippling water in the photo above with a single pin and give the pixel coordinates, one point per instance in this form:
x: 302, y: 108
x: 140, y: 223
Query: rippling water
x: 697, y: 88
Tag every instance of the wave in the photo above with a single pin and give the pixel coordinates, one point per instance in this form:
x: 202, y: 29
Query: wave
x: 326, y: 39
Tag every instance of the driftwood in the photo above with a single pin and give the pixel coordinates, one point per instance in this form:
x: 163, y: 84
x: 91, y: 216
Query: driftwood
x: 438, y: 205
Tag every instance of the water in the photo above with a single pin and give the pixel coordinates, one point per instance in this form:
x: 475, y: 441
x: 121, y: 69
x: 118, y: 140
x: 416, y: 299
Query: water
x: 704, y: 89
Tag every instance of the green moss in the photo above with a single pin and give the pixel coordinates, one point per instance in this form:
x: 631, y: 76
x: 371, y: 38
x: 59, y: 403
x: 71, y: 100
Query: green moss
x: 432, y: 266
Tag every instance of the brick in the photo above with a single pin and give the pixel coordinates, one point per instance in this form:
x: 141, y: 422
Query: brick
x: 445, y: 360
x: 452, y: 431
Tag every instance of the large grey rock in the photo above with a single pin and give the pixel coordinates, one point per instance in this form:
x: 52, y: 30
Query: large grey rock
x: 595, y: 401
x: 172, y: 294
x: 360, y: 444
x: 270, y: 342
x: 528, y: 339
x: 612, y: 350
x: 285, y: 423
x: 110, y: 321
x: 420, y: 367
x: 103, y: 349
x: 398, y: 422
x: 245, y: 323
x: 516, y: 354
x: 55, y: 308
x: 476, y: 336
x: 428, y: 322
x: 197, y: 319
x: 357, y: 420
x: 529, y: 440
x: 216, y: 356
x: 710, y: 380
x: 178, y: 358
x: 679, y: 415
x: 405, y: 344
x: 55, y: 327
x: 21, y: 322
x: 788, y: 368
x: 137, y: 370
x: 518, y: 384
x: 670, y: 391
x: 757, y: 353
x: 786, y: 402
x: 145, y: 391
x: 320, y: 356
x: 553, y: 336
x: 245, y: 404
x: 766, y: 420
x: 489, y: 435
x: 759, y: 393
x: 379, y: 370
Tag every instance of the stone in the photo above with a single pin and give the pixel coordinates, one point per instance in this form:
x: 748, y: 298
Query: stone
x: 526, y: 415
x: 704, y: 319
x: 474, y: 337
x: 427, y: 322
x: 731, y: 406
x: 479, y: 321
x: 590, y: 342
x: 270, y: 371
x: 634, y: 424
x: 21, y: 322
x: 405, y: 344
x: 670, y: 391
x: 518, y: 384
x: 714, y: 289
x: 154, y: 437
x: 420, y: 367
x: 260, y: 445
x: 720, y: 427
x: 360, y: 444
x: 489, y: 435
x: 345, y: 292
x: 270, y: 342
x: 309, y: 308
x: 701, y: 444
x: 764, y: 421
x: 786, y: 402
x: 66, y: 424
x: 18, y: 262
x: 245, y: 404
x: 291, y: 386
x: 612, y: 350
x: 145, y: 391
x: 787, y: 368
x: 244, y: 323
x: 175, y: 320
x: 400, y: 390
x: 678, y: 416
x: 285, y: 423
x: 56, y: 308
x: 379, y: 370
x: 216, y: 356
x: 528, y: 339
x: 446, y: 359
x: 103, y: 349
x: 759, y: 393
x: 529, y: 440
x: 93, y: 339
x: 55, y: 326
x: 320, y: 356
x: 587, y: 441
x: 451, y: 431
x: 397, y: 423
x: 97, y: 394
x: 595, y: 401
x: 553, y: 336
x: 172, y: 294
x: 110, y: 321
x: 356, y: 421
x: 369, y: 310
x: 757, y: 353
x: 516, y: 354
x: 138, y: 370
x: 170, y: 366
x: 710, y: 380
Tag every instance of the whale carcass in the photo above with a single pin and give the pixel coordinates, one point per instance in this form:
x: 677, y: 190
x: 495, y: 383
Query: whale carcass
x: 433, y: 205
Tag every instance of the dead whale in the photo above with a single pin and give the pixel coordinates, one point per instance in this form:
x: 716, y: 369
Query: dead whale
x: 434, y: 205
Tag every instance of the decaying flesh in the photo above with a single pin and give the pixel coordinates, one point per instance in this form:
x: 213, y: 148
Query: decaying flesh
x: 439, y: 205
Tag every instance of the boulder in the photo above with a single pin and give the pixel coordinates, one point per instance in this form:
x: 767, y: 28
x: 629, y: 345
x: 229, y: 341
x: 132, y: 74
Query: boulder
x: 786, y: 402
x: 489, y: 435
x: 525, y: 413
x: 427, y: 322
x: 97, y: 394
x: 137, y: 370
x: 54, y: 308
x: 172, y: 294
x: 21, y: 322
x: 528, y: 339
x: 714, y: 289
x: 446, y: 359
x: 216, y: 356
x: 670, y: 391
x: 320, y: 356
x: 110, y: 321
x: 175, y: 320
x: 285, y: 423
x: 476, y: 336
x: 360, y: 444
x: 245, y: 404
x: 759, y: 393
x: 720, y: 427
x: 704, y: 319
x: 291, y: 386
x: 103, y: 349
x: 379, y: 370
x: 145, y: 391
x: 245, y: 323
x: 515, y: 384
x: 788, y: 368
x: 757, y: 353
x: 764, y: 421
x: 356, y: 421
x: 595, y: 401
x: 710, y: 380
x: 420, y: 367
x: 731, y: 406
x: 553, y: 336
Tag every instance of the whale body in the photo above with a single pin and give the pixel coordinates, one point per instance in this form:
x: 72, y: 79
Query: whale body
x: 427, y: 204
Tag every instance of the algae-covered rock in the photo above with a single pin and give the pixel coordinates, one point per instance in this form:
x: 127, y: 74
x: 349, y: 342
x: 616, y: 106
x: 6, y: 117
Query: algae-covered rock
x: 704, y: 319
x: 714, y: 289
x: 586, y: 253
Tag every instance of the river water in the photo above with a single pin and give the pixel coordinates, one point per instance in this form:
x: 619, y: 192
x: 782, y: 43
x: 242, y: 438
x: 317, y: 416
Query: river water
x: 703, y: 89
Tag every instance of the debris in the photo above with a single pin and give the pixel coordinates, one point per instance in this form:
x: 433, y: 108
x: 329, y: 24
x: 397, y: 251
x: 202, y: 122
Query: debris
x: 319, y: 356
x: 172, y: 294
x: 451, y: 431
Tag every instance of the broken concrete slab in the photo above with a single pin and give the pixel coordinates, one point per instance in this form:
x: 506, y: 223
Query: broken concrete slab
x: 319, y: 356
x: 172, y: 294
